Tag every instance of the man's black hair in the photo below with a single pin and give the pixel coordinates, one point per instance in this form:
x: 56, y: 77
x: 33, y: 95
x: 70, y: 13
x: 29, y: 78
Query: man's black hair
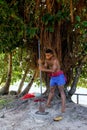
x: 49, y: 51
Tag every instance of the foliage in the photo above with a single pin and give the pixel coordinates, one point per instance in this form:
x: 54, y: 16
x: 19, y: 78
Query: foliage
x: 32, y: 31
x: 50, y: 20
x: 82, y: 82
x: 20, y: 23
x: 3, y: 67
x: 11, y: 27
x: 19, y: 64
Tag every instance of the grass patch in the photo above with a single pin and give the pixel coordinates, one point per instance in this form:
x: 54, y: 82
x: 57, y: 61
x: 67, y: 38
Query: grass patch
x: 4, y: 100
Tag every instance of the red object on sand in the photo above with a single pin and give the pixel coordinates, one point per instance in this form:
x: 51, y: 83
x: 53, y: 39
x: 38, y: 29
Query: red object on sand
x: 39, y: 100
x: 29, y: 95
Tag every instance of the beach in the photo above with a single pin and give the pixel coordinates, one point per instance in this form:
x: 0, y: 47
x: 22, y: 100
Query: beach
x: 23, y: 116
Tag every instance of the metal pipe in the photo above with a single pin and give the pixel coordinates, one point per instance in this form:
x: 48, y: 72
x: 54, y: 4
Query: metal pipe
x: 39, y: 65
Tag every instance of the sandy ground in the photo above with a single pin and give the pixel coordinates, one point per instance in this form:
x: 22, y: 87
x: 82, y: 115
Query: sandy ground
x: 24, y: 117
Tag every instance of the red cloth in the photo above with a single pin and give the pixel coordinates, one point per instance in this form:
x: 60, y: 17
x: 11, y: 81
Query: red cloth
x: 29, y: 95
x: 55, y: 73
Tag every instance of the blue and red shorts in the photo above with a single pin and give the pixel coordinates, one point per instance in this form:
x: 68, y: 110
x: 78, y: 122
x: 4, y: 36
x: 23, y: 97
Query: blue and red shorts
x: 57, y: 79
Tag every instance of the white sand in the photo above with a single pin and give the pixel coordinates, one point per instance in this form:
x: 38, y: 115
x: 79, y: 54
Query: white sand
x: 75, y: 117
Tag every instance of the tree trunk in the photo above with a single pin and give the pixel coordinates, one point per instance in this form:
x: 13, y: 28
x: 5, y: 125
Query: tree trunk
x: 26, y: 90
x: 78, y: 72
x: 5, y: 89
x: 22, y: 80
x: 75, y: 81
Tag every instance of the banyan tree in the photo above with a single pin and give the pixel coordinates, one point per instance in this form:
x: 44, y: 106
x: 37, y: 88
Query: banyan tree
x: 60, y: 25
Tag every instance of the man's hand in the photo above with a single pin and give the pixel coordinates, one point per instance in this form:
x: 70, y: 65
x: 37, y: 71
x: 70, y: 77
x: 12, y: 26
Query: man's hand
x: 39, y: 62
x: 41, y: 68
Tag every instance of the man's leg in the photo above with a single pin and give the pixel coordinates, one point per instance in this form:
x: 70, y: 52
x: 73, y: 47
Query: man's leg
x: 63, y: 97
x: 51, y: 94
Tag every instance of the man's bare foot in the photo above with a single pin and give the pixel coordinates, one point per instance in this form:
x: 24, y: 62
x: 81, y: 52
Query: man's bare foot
x: 63, y: 110
x: 48, y: 105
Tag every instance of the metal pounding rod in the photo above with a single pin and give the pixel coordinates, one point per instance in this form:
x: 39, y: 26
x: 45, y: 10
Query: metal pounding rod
x: 40, y: 70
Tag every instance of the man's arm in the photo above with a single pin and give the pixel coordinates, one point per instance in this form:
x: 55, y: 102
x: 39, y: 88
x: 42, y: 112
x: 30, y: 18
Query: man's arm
x: 41, y: 65
x: 45, y: 69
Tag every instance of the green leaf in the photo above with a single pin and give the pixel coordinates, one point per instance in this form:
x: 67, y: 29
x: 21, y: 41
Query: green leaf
x: 84, y: 23
x: 77, y: 26
x: 32, y: 31
x: 78, y: 18
x: 48, y: 18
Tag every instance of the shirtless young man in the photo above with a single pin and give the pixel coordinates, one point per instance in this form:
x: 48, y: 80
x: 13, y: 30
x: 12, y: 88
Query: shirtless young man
x: 57, y: 77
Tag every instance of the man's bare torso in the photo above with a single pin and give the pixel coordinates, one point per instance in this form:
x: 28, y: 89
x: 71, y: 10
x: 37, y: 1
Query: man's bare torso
x: 53, y: 63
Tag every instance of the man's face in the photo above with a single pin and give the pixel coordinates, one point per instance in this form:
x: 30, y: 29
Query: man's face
x: 48, y: 56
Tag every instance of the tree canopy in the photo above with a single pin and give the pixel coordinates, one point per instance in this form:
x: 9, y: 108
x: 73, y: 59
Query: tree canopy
x: 58, y: 24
